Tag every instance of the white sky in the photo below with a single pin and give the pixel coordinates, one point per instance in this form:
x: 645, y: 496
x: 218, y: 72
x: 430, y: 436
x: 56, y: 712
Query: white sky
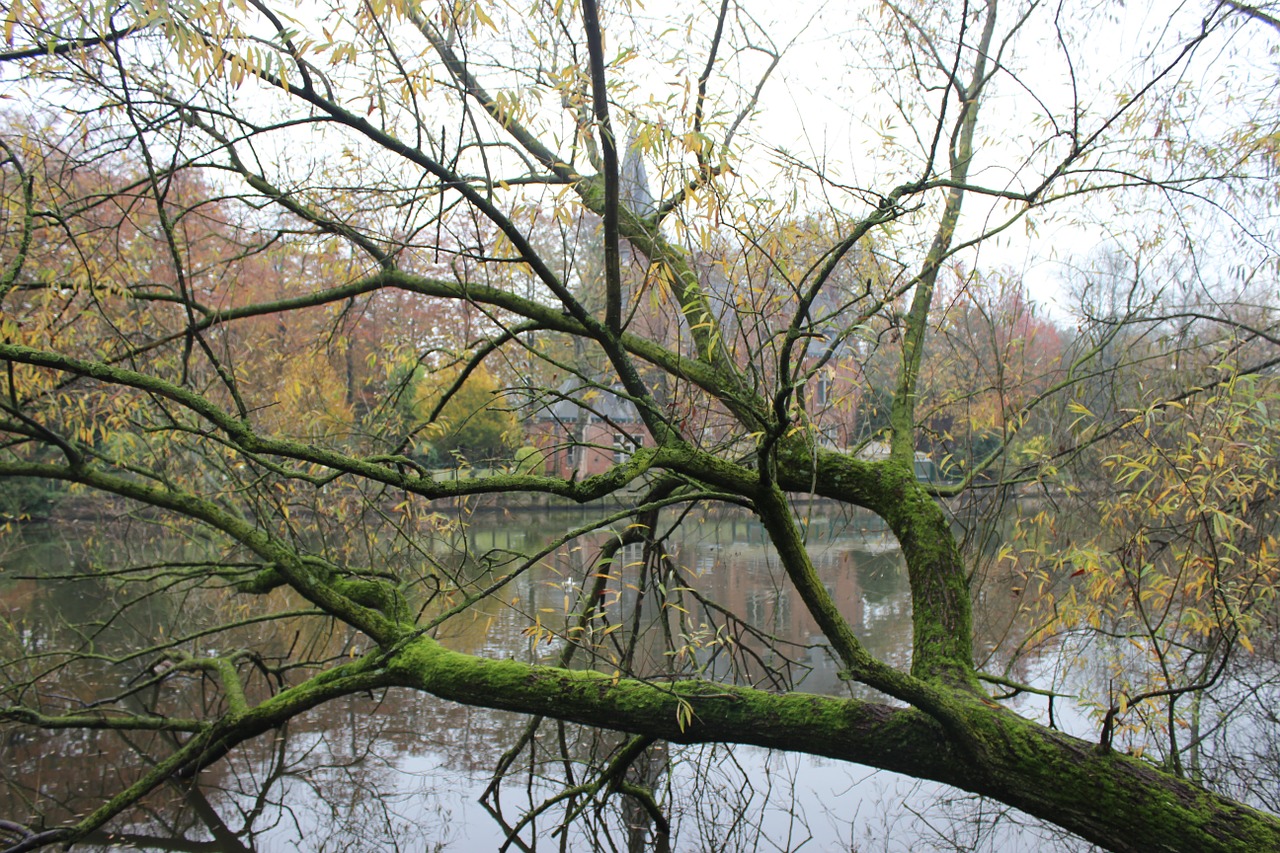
x: 822, y: 108
x: 829, y: 102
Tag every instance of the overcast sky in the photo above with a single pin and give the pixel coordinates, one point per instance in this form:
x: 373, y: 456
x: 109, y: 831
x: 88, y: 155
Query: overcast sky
x: 825, y: 105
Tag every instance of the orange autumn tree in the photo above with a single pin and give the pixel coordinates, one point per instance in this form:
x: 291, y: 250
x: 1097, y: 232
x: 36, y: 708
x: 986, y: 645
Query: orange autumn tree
x: 994, y: 359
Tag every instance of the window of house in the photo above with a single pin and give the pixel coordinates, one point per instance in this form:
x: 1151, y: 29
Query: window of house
x: 822, y: 389
x: 624, y: 445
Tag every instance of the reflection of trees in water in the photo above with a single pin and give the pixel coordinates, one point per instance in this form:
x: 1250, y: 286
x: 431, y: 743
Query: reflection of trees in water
x: 709, y: 798
x: 390, y: 771
x: 1241, y: 754
x: 334, y: 781
x: 1227, y: 734
x: 605, y: 791
x: 399, y: 770
x: 71, y: 621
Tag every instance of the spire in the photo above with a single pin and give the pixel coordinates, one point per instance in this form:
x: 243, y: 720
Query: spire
x: 633, y: 182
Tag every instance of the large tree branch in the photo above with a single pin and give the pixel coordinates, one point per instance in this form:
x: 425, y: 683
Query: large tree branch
x: 1043, y: 772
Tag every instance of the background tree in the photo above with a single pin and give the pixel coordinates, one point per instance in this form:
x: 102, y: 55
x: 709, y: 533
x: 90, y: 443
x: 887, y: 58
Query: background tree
x: 442, y: 144
x: 462, y: 417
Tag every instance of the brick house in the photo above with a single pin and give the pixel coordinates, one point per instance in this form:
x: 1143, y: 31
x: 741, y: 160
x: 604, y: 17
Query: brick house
x: 585, y: 430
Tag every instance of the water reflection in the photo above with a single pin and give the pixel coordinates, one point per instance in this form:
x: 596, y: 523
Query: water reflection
x: 406, y: 771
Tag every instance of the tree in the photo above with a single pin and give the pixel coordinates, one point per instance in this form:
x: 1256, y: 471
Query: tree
x: 460, y: 415
x: 447, y: 146
x: 1176, y: 561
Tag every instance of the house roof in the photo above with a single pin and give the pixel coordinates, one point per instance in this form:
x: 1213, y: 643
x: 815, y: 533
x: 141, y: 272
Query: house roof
x: 578, y: 401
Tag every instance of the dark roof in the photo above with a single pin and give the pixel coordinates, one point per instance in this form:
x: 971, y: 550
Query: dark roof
x: 575, y: 401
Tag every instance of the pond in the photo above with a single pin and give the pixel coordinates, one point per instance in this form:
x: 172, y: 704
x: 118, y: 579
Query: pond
x: 402, y: 770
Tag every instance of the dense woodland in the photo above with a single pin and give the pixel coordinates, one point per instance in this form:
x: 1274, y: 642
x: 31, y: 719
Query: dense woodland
x: 291, y: 280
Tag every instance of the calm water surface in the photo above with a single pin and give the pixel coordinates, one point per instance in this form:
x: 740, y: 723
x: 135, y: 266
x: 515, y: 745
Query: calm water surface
x: 406, y: 771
